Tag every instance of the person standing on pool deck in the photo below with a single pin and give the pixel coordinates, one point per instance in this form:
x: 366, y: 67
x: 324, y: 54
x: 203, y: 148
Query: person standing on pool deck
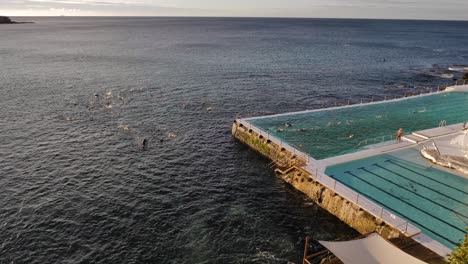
x: 399, y: 134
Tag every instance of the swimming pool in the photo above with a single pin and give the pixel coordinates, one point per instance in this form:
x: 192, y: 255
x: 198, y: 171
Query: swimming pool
x: 337, y: 131
x: 405, y: 183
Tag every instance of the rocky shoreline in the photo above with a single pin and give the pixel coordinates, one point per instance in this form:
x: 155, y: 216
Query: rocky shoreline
x: 7, y: 20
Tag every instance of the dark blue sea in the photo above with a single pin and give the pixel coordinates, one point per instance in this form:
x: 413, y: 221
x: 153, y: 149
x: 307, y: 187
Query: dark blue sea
x: 79, y: 95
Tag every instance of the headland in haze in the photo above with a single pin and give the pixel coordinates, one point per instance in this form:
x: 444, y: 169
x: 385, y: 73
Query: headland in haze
x: 7, y: 20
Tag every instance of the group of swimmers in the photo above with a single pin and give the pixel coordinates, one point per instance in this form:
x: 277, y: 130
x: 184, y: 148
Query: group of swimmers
x: 398, y: 137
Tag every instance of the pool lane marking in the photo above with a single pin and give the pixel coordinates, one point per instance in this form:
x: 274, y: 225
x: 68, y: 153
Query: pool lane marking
x: 424, y: 212
x: 415, y: 182
x: 404, y: 188
x: 409, y: 218
x: 390, y: 161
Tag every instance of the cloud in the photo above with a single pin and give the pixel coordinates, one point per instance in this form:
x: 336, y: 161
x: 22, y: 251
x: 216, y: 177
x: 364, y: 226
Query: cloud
x: 87, y: 7
x: 64, y: 10
x: 78, y: 2
x: 412, y: 9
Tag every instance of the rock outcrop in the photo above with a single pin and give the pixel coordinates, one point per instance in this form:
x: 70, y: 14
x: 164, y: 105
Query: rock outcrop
x: 5, y: 20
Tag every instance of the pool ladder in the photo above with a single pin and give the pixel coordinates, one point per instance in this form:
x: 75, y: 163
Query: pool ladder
x: 442, y: 123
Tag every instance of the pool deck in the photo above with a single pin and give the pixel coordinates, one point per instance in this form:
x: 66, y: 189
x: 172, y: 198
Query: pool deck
x: 407, y: 141
x: 316, y: 168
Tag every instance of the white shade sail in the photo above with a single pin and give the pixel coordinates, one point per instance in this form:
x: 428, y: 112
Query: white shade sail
x: 370, y: 250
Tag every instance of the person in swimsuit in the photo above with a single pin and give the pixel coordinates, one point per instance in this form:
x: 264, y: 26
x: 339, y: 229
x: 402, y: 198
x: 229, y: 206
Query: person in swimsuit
x: 399, y: 134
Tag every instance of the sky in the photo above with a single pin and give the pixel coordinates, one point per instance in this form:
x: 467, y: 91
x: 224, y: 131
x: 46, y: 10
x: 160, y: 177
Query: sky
x: 392, y: 9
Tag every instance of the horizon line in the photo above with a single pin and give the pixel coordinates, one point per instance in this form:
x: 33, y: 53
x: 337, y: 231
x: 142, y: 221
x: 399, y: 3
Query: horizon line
x: 271, y: 17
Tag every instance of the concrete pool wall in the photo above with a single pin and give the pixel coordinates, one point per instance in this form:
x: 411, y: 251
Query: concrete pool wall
x: 306, y: 174
x: 311, y: 182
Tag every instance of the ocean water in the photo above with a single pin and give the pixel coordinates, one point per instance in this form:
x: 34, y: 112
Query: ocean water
x: 78, y: 95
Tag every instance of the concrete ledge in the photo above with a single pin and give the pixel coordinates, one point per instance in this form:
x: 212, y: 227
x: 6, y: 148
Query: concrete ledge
x: 439, y: 131
x: 365, y: 153
x: 457, y: 88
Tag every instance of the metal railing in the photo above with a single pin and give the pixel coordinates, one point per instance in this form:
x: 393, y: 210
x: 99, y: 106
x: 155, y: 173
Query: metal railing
x: 316, y: 171
x: 364, y: 100
x: 435, y: 147
x: 376, y: 140
x: 341, y: 103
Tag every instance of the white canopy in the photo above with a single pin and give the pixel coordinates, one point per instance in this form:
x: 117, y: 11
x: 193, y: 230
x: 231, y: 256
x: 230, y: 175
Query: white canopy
x: 369, y: 250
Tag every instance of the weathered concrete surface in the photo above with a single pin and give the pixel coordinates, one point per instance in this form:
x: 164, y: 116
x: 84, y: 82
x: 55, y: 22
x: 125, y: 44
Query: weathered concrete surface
x: 280, y: 156
x: 452, y: 162
x: 346, y: 211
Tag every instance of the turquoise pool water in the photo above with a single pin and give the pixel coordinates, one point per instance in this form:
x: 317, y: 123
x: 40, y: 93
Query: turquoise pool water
x: 405, y: 183
x: 332, y: 132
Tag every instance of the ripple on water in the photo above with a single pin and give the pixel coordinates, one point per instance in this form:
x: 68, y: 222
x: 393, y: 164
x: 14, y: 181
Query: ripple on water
x: 76, y: 186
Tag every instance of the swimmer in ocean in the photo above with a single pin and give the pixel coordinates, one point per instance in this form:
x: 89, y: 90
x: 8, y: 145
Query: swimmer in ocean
x: 144, y: 142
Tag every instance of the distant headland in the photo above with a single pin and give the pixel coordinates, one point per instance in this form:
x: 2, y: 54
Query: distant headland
x: 7, y: 20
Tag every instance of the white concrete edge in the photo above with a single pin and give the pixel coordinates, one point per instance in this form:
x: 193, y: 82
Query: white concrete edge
x: 406, y: 138
x: 433, y: 245
x: 420, y: 135
x: 457, y: 88
x: 341, y: 107
x: 365, y: 153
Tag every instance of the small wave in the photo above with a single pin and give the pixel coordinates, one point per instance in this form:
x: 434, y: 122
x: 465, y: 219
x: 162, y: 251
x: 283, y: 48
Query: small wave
x: 458, y: 68
x: 264, y: 255
x: 123, y: 127
x: 447, y: 76
x: 108, y: 95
